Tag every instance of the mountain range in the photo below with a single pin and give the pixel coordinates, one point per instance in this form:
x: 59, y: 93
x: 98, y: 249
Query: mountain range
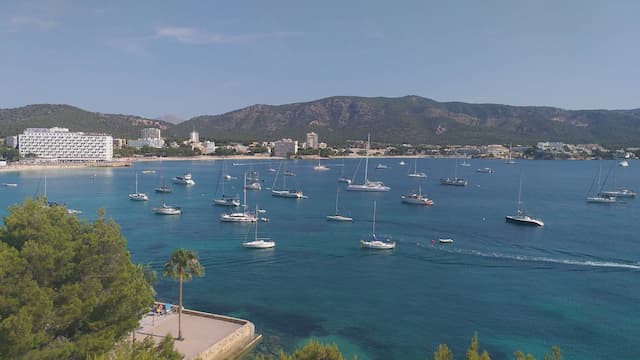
x: 408, y: 119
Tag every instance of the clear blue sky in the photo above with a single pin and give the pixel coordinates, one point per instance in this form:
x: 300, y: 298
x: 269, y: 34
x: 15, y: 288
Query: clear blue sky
x: 191, y: 57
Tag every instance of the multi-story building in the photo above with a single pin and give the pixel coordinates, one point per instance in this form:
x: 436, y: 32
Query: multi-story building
x: 150, y: 133
x: 194, y: 137
x: 60, y: 144
x: 285, y: 147
x: 11, y: 141
x: 150, y: 142
x: 119, y: 143
x: 312, y: 140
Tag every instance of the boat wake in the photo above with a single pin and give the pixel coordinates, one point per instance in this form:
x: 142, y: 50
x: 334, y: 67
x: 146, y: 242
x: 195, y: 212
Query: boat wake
x: 539, y: 259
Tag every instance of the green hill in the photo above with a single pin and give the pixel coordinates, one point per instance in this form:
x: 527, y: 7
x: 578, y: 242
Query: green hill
x: 414, y: 119
x: 14, y: 121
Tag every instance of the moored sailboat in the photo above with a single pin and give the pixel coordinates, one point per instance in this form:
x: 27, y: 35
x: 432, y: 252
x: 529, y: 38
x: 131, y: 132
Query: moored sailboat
x: 367, y: 185
x: 521, y: 218
x: 337, y: 216
x: 374, y: 242
x: 259, y: 243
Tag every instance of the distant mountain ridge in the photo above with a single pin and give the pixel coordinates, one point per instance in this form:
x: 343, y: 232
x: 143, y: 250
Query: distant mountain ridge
x: 408, y: 119
x: 414, y: 119
x: 14, y: 121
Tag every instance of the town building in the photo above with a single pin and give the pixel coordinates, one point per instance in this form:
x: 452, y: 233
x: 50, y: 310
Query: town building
x: 312, y: 140
x: 119, y: 143
x: 11, y: 141
x: 150, y: 142
x: 550, y: 146
x: 62, y: 145
x: 285, y: 147
x: 194, y: 137
x: 150, y: 133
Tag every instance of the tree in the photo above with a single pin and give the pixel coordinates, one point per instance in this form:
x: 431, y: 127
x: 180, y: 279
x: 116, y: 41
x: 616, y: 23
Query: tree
x: 67, y: 287
x: 183, y: 266
x: 472, y: 352
x: 142, y: 350
x: 312, y: 350
x: 443, y: 353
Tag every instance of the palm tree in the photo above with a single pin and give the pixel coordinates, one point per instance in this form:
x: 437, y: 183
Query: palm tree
x: 183, y: 266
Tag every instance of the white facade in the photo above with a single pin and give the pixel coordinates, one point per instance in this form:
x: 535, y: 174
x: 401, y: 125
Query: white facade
x: 150, y: 133
x: 59, y: 144
x: 150, y: 142
x: 194, y: 137
x: 312, y: 140
x: 285, y: 147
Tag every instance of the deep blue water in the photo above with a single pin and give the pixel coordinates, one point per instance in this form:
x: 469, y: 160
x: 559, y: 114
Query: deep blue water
x: 574, y: 283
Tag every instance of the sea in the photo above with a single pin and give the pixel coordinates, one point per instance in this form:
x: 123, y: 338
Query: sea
x: 574, y: 283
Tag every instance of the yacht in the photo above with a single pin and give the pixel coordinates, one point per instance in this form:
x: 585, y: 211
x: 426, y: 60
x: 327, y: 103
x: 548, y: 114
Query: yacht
x: 259, y: 243
x: 600, y: 196
x: 371, y: 186
x: 337, y: 216
x: 167, y: 210
x: 241, y: 216
x: 415, y: 172
x: 253, y: 186
x: 622, y: 193
x: 455, y: 180
x: 402, y: 163
x: 374, y: 242
x: 138, y: 196
x: 284, y: 192
x: 485, y: 170
x: 184, y: 179
x: 521, y: 218
x: 419, y: 199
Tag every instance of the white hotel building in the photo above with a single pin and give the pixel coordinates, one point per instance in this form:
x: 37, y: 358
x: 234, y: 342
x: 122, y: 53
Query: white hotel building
x: 59, y: 144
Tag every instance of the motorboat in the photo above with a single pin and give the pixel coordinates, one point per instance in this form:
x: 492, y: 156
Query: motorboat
x: 601, y: 199
x: 344, y: 180
x: 381, y: 166
x: 253, y: 186
x: 10, y: 184
x: 623, y: 163
x: 184, y: 179
x: 167, y: 210
x: 445, y: 241
x: 453, y: 181
x: 289, y: 173
x: 402, y: 163
x: 416, y: 198
x: 147, y: 171
x: 622, y: 193
x: 485, y: 170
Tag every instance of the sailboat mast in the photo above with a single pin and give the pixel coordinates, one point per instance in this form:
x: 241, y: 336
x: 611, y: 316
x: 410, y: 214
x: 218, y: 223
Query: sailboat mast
x: 337, y: 190
x: 374, y: 219
x: 256, y: 234
x: 136, y: 182
x: 366, y: 158
x: 244, y: 192
x: 519, y: 195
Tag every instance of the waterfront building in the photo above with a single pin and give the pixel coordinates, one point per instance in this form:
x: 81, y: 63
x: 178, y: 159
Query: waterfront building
x: 150, y: 133
x: 119, y: 143
x: 60, y: 144
x: 11, y: 141
x: 285, y: 147
x: 550, y: 146
x: 150, y: 142
x: 312, y: 140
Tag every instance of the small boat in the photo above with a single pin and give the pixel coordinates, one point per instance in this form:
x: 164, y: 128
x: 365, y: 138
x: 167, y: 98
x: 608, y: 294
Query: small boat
x: 227, y: 177
x: 344, y: 180
x: 402, y: 163
x: 485, y: 170
x: 445, y: 241
x: 138, y: 196
x: 374, y: 242
x: 253, y: 186
x: 10, y: 184
x: 272, y: 170
x: 146, y: 171
x: 73, y: 212
x: 465, y: 163
x: 259, y: 243
x: 419, y: 199
x: 623, y: 163
x: 381, y: 166
x: 184, y: 179
x: 289, y: 173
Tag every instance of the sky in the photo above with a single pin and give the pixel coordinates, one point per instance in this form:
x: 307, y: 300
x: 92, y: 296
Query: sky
x: 192, y: 57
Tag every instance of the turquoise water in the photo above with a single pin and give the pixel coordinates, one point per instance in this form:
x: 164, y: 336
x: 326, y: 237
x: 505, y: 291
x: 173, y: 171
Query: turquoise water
x: 574, y: 283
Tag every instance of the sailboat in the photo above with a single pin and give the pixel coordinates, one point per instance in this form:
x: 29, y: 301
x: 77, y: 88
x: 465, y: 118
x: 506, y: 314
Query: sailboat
x: 375, y: 243
x: 342, y: 178
x: 376, y: 186
x: 225, y: 200
x: 241, y: 216
x: 510, y: 161
x: 167, y: 209
x: 415, y: 172
x: 284, y: 191
x: 599, y: 197
x: 464, y: 162
x: 138, y: 196
x: 455, y: 181
x: 52, y: 204
x: 337, y: 216
x: 521, y: 218
x: 258, y: 243
x: 419, y: 199
x: 253, y: 180
x: 320, y: 167
x: 162, y: 188
x: 616, y: 191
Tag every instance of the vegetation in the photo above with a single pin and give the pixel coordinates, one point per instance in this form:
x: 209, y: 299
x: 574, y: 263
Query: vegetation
x: 312, y: 350
x: 9, y: 153
x: 68, y: 287
x: 183, y: 266
x: 142, y: 350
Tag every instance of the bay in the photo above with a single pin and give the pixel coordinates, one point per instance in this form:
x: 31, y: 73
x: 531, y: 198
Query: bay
x: 573, y: 283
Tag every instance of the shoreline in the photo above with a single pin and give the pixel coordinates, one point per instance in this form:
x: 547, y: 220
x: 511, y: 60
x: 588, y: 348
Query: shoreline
x: 130, y: 161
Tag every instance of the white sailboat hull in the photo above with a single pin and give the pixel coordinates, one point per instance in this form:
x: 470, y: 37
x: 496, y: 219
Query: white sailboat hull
x: 288, y: 194
x: 368, y: 187
x: 339, y: 218
x: 238, y: 217
x: 523, y: 220
x: 259, y: 244
x: 227, y: 202
x: 138, y: 197
x: 167, y: 210
x: 377, y: 244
